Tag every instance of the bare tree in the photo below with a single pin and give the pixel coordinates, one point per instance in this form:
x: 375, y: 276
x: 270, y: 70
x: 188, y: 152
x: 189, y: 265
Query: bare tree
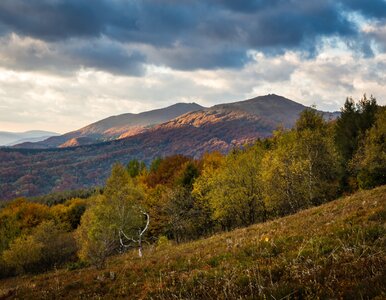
x: 130, y: 240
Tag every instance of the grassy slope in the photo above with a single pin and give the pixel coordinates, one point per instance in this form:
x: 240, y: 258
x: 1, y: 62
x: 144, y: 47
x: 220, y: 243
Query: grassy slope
x: 333, y: 251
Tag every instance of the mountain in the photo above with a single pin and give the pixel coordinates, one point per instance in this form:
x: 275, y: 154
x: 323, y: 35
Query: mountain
x: 276, y: 108
x: 334, y: 251
x: 224, y: 126
x: 31, y: 172
x: 13, y: 138
x: 266, y: 112
x: 114, y: 127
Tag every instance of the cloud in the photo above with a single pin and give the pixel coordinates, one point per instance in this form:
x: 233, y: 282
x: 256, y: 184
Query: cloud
x: 58, y: 19
x: 376, y: 35
x: 373, y: 9
x: 188, y: 35
x: 183, y: 58
x: 67, y: 63
x: 40, y: 100
x: 105, y: 55
x: 65, y: 58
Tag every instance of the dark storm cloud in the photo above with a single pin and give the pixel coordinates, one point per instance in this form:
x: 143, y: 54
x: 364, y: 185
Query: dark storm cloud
x: 65, y: 57
x: 368, y: 8
x: 247, y: 6
x: 61, y: 19
x: 108, y: 57
x: 292, y: 24
x: 187, y: 34
x: 190, y: 59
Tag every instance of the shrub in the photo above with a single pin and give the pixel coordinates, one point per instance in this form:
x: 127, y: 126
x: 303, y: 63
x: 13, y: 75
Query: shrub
x: 47, y: 246
x: 163, y: 242
x: 23, y: 254
x: 58, y: 245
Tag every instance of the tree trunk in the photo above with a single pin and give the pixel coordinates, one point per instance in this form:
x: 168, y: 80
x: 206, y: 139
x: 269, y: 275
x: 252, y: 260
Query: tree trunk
x: 140, y: 254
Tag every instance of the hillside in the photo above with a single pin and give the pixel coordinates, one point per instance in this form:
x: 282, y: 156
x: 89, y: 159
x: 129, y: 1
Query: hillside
x: 32, y: 172
x: 277, y: 109
x: 334, y: 251
x: 114, y: 127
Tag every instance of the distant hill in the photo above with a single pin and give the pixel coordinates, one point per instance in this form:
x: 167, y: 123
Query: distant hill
x: 334, y: 251
x: 13, y: 138
x: 275, y: 108
x: 114, y: 127
x: 32, y: 172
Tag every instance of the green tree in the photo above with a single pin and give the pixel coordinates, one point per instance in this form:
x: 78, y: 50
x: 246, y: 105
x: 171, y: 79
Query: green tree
x: 370, y: 160
x: 283, y: 176
x: 155, y: 164
x: 310, y: 119
x: 97, y: 235
x: 188, y: 175
x: 350, y: 129
x: 135, y: 168
x: 211, y: 162
x: 316, y: 146
x: 9, y: 230
x: 367, y: 109
x: 115, y: 219
x: 184, y: 216
x: 76, y: 208
x: 234, y: 191
x: 301, y: 170
x: 346, y: 130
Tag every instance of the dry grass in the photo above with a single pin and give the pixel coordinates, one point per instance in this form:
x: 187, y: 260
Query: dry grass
x: 333, y: 251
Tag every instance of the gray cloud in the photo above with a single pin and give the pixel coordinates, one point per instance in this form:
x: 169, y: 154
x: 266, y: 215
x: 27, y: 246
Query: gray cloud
x: 111, y: 57
x: 377, y: 35
x: 106, y: 34
x: 30, y: 100
x: 373, y: 9
x: 65, y: 57
x: 59, y: 19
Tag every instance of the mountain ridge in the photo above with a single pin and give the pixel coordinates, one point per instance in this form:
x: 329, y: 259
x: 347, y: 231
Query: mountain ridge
x: 114, y: 127
x: 271, y: 108
x: 33, y: 172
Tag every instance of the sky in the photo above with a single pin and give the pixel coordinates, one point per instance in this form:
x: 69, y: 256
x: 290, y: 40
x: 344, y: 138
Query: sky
x: 67, y: 63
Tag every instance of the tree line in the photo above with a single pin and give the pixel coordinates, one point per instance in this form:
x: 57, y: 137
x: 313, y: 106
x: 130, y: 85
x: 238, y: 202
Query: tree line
x: 178, y: 198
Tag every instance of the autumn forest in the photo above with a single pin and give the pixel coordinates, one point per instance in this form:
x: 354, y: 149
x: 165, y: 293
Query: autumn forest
x: 177, y: 199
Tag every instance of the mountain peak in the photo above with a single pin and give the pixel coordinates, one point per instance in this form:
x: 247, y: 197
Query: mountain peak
x: 273, y: 98
x: 194, y: 104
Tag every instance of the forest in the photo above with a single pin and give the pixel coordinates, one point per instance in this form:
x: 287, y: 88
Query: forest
x: 177, y: 199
